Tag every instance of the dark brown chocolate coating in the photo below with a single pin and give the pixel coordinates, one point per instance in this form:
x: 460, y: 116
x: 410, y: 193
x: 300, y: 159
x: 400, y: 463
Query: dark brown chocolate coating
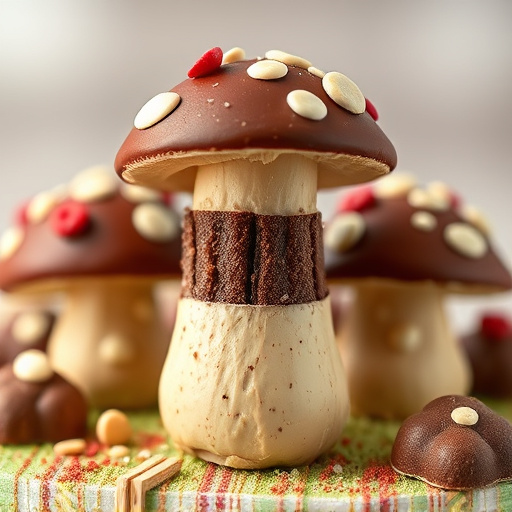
x: 392, y: 248
x: 229, y: 110
x: 32, y: 412
x: 10, y: 347
x: 245, y: 258
x: 431, y: 446
x: 110, y: 246
x: 491, y: 363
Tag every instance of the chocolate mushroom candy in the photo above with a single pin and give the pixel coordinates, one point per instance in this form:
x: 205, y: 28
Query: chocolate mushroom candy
x: 253, y: 357
x: 456, y: 443
x: 25, y: 330
x: 489, y: 350
x: 105, y: 244
x: 402, y: 249
x: 38, y: 405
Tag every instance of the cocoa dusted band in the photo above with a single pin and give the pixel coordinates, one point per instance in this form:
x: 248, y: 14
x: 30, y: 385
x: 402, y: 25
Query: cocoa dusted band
x: 246, y: 258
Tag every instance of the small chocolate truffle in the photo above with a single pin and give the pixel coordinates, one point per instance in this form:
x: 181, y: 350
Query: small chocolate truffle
x: 25, y: 330
x: 38, y: 405
x: 455, y: 443
x: 489, y: 351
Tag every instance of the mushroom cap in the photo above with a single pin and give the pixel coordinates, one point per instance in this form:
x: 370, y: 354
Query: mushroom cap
x: 227, y: 114
x: 399, y: 231
x: 455, y: 442
x: 96, y: 226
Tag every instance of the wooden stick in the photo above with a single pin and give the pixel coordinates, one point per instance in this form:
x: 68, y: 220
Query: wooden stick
x: 123, y: 483
x: 149, y: 479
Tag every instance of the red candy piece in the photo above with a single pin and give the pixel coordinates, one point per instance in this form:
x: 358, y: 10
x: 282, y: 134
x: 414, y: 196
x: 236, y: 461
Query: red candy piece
x: 455, y: 200
x: 168, y: 198
x: 20, y: 215
x: 208, y: 63
x: 495, y: 327
x: 357, y: 200
x: 70, y: 219
x: 370, y: 108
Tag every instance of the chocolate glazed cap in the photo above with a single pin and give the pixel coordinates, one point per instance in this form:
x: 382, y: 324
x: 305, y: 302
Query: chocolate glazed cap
x: 395, y: 230
x: 256, y: 110
x: 94, y: 227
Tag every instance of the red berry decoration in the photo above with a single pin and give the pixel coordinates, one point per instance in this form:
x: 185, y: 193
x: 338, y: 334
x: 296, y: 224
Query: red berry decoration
x: 357, y: 200
x: 208, y: 63
x: 455, y: 200
x: 168, y: 198
x: 70, y: 219
x: 495, y: 327
x: 20, y: 215
x: 370, y: 108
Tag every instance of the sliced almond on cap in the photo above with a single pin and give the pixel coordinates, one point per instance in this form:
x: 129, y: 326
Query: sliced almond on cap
x: 93, y: 184
x: 394, y: 185
x: 345, y: 231
x: 344, y: 92
x: 138, y: 194
x: 233, y: 55
x: 156, y: 109
x: 465, y: 240
x: 41, y: 205
x: 10, y: 241
x: 155, y: 222
x: 424, y: 221
x: 287, y: 58
x: 306, y: 104
x: 267, y: 70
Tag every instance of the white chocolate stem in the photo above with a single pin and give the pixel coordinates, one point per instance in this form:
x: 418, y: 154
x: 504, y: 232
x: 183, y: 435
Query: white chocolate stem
x: 110, y: 343
x: 398, y: 350
x: 285, y: 186
x: 254, y: 386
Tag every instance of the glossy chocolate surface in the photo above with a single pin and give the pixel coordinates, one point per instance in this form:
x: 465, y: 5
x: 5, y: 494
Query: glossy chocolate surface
x: 10, y: 346
x: 392, y: 248
x: 110, y: 246
x: 49, y: 411
x: 433, y: 447
x: 229, y: 110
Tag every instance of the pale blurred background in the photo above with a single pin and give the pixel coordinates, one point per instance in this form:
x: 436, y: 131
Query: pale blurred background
x: 73, y: 75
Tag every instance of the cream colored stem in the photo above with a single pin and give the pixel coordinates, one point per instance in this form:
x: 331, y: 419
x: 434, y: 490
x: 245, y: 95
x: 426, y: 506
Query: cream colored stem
x: 110, y: 343
x: 398, y: 350
x: 285, y: 186
x: 254, y: 386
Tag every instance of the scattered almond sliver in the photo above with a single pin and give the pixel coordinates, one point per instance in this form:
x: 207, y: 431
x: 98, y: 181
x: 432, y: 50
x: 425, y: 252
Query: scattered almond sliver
x: 70, y: 447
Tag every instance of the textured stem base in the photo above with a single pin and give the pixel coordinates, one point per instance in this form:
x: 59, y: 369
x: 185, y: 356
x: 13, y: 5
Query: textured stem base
x: 254, y: 386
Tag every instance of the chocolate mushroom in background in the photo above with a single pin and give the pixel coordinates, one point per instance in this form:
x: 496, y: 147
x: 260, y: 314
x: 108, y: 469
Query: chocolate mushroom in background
x: 402, y: 249
x: 456, y: 443
x: 37, y: 404
x: 253, y: 378
x: 23, y: 330
x: 104, y: 244
x: 489, y: 350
